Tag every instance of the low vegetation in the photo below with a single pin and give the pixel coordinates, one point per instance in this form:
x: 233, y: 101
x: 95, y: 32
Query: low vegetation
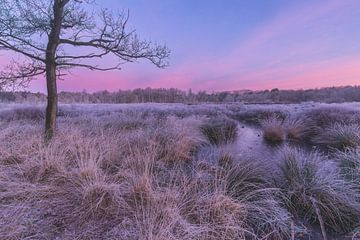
x: 21, y: 113
x: 297, y: 130
x: 177, y: 172
x: 220, y: 130
x: 273, y: 130
x: 314, y: 189
x: 339, y: 136
x: 349, y: 161
x: 257, y: 116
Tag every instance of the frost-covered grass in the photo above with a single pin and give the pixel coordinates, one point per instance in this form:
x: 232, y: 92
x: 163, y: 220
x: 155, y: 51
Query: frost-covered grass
x: 314, y: 189
x: 274, y: 132
x: 220, y: 130
x: 150, y: 171
x: 349, y: 161
x: 339, y: 136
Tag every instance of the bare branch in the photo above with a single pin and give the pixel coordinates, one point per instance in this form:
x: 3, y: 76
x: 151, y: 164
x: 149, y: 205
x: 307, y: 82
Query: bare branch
x: 8, y: 46
x: 21, y: 26
x: 25, y: 27
x: 20, y: 73
x: 88, y: 66
x: 87, y: 56
x: 112, y: 38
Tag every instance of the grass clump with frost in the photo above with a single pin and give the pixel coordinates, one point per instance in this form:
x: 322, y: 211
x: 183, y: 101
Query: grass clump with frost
x: 297, y: 129
x: 247, y: 183
x: 339, y: 136
x: 349, y: 161
x: 313, y: 189
x: 326, y: 116
x: 273, y: 130
x: 220, y: 131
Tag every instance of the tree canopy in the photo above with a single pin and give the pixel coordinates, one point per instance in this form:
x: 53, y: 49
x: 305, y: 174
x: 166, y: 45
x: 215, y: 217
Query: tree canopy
x: 25, y: 27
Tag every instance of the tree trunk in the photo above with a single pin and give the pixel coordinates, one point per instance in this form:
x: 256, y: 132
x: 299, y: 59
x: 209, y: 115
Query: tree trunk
x: 51, y: 109
x: 52, y: 99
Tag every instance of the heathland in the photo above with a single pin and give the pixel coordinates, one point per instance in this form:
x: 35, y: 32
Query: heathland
x: 181, y: 171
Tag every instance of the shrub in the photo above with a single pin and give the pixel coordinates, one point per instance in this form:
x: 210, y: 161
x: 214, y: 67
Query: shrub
x: 220, y: 131
x: 273, y: 130
x: 313, y: 189
x: 339, y: 136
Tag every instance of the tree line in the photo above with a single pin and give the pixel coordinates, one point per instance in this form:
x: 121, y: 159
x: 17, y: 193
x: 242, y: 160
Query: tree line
x: 173, y: 95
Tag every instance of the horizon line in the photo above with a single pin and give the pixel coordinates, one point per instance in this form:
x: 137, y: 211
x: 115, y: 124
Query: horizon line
x: 188, y: 89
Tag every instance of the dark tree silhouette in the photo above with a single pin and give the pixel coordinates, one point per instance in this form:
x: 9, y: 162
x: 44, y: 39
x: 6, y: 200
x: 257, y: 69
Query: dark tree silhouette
x: 54, y: 36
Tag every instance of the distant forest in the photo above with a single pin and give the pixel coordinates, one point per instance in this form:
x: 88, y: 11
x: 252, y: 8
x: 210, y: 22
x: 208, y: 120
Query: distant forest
x: 172, y: 95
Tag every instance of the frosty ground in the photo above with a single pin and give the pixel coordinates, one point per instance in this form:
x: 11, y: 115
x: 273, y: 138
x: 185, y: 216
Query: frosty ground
x: 177, y: 171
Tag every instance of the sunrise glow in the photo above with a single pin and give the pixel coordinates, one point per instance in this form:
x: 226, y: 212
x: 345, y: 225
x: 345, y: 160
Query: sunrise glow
x: 232, y: 45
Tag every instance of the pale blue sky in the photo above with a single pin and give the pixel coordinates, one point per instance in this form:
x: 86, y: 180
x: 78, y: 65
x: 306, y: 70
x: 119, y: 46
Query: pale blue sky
x: 229, y: 45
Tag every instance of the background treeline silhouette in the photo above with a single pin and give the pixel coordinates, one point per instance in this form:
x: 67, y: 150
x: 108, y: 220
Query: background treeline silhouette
x: 172, y: 95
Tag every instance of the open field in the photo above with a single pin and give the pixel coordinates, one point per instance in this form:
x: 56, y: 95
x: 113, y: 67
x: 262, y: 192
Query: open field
x: 175, y: 171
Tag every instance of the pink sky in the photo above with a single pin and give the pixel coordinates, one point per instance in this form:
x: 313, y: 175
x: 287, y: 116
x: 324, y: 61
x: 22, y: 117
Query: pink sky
x: 297, y: 44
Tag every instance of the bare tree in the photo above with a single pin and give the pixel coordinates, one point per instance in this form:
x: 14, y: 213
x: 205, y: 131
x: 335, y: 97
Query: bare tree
x: 54, y: 36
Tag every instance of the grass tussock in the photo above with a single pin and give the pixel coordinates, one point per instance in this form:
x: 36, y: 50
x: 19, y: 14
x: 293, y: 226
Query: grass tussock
x: 220, y: 131
x: 247, y: 183
x: 314, y: 189
x: 297, y: 129
x: 349, y: 161
x: 323, y: 117
x: 178, y: 140
x: 339, y: 136
x: 273, y: 130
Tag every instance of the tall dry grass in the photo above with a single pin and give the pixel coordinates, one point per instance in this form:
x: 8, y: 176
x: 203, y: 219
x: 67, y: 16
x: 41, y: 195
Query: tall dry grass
x: 273, y: 130
x: 138, y: 174
x: 103, y: 179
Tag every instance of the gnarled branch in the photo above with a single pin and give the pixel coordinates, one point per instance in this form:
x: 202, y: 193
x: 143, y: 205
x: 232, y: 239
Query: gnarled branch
x: 20, y: 74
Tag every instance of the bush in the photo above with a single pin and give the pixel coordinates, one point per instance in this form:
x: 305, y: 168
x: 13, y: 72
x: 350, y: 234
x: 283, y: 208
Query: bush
x: 313, y: 189
x: 220, y: 131
x: 273, y: 130
x: 339, y: 136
